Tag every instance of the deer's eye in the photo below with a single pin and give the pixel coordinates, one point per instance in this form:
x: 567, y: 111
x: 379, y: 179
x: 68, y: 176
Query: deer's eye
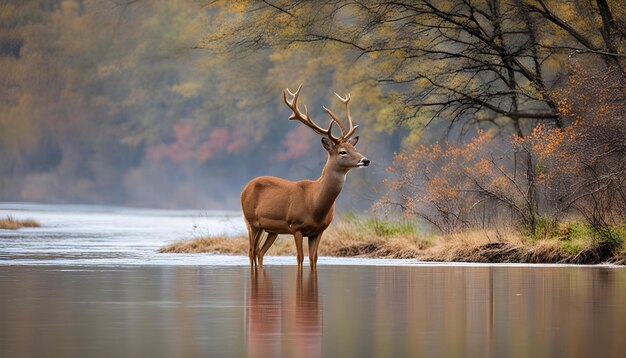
x: 343, y: 152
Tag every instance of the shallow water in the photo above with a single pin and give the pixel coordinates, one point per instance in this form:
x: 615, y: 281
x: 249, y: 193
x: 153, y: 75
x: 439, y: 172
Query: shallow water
x: 101, y: 235
x: 342, y: 311
x: 90, y: 283
x: 79, y: 235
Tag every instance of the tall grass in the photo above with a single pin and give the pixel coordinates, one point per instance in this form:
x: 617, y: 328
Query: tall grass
x: 571, y: 242
x: 11, y: 223
x: 352, y: 236
x: 373, y: 237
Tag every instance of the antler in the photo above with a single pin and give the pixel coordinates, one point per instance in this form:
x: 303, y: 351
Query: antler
x: 345, y: 132
x: 305, y: 119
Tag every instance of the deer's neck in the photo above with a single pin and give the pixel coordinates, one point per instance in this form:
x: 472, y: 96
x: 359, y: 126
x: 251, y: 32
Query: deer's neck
x: 329, y: 184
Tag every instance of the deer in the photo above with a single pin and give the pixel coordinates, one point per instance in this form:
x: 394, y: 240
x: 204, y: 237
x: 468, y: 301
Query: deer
x: 302, y: 208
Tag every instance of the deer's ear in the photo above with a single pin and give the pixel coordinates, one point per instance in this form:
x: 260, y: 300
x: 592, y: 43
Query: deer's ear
x: 327, y: 144
x: 353, y: 140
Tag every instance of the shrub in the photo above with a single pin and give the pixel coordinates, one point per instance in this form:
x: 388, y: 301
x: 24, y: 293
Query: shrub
x: 534, y: 180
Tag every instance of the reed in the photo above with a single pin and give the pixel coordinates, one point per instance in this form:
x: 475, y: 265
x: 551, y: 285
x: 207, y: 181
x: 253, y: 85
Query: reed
x: 11, y: 223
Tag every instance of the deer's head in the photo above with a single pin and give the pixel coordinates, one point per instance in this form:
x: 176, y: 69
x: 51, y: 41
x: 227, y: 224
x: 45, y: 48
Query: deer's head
x: 341, y: 150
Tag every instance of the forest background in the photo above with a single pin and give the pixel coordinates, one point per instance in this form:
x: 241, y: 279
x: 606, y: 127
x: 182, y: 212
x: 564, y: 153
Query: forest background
x: 474, y: 113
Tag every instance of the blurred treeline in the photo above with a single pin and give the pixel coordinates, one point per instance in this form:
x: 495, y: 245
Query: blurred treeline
x: 111, y: 102
x: 178, y: 103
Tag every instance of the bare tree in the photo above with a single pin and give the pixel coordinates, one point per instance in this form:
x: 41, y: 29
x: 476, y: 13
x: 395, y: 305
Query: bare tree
x: 459, y: 59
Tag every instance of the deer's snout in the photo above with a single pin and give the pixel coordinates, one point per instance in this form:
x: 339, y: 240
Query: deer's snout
x: 364, y: 162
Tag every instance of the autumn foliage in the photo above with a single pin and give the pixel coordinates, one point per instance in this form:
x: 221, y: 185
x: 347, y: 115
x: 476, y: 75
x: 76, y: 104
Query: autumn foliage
x: 454, y: 185
x: 583, y: 166
x: 188, y: 146
x: 578, y: 171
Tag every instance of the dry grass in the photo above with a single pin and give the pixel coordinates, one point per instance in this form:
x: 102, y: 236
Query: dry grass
x: 511, y: 247
x: 10, y: 223
x: 475, y: 246
x: 360, y: 239
x: 217, y: 244
x: 237, y: 245
x: 346, y: 239
x: 620, y: 257
x: 357, y: 238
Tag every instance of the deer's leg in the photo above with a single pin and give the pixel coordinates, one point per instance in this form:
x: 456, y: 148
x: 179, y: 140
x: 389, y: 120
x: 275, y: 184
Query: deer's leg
x: 254, y: 235
x: 251, y: 235
x: 300, y: 253
x: 314, y: 242
x: 257, y: 242
x: 271, y: 237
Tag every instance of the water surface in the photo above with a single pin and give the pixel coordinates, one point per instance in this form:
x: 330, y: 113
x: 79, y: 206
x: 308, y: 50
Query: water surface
x: 90, y: 283
x: 342, y: 311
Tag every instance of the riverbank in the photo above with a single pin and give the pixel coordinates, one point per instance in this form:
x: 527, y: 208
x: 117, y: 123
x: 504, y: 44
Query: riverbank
x: 570, y: 243
x: 11, y: 223
x: 349, y: 238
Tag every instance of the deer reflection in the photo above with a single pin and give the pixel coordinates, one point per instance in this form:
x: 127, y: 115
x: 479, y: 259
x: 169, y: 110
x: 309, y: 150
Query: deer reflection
x: 263, y: 316
x: 308, y: 321
x: 284, y: 321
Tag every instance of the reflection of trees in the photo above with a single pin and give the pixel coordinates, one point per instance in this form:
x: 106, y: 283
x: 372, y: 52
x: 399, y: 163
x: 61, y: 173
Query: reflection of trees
x: 282, y: 321
x: 479, y: 312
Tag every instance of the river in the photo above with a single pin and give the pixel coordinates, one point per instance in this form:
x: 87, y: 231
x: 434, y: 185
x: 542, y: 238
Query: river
x: 90, y: 282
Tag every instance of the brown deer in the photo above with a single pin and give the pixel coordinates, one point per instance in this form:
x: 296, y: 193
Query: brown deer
x: 305, y: 207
